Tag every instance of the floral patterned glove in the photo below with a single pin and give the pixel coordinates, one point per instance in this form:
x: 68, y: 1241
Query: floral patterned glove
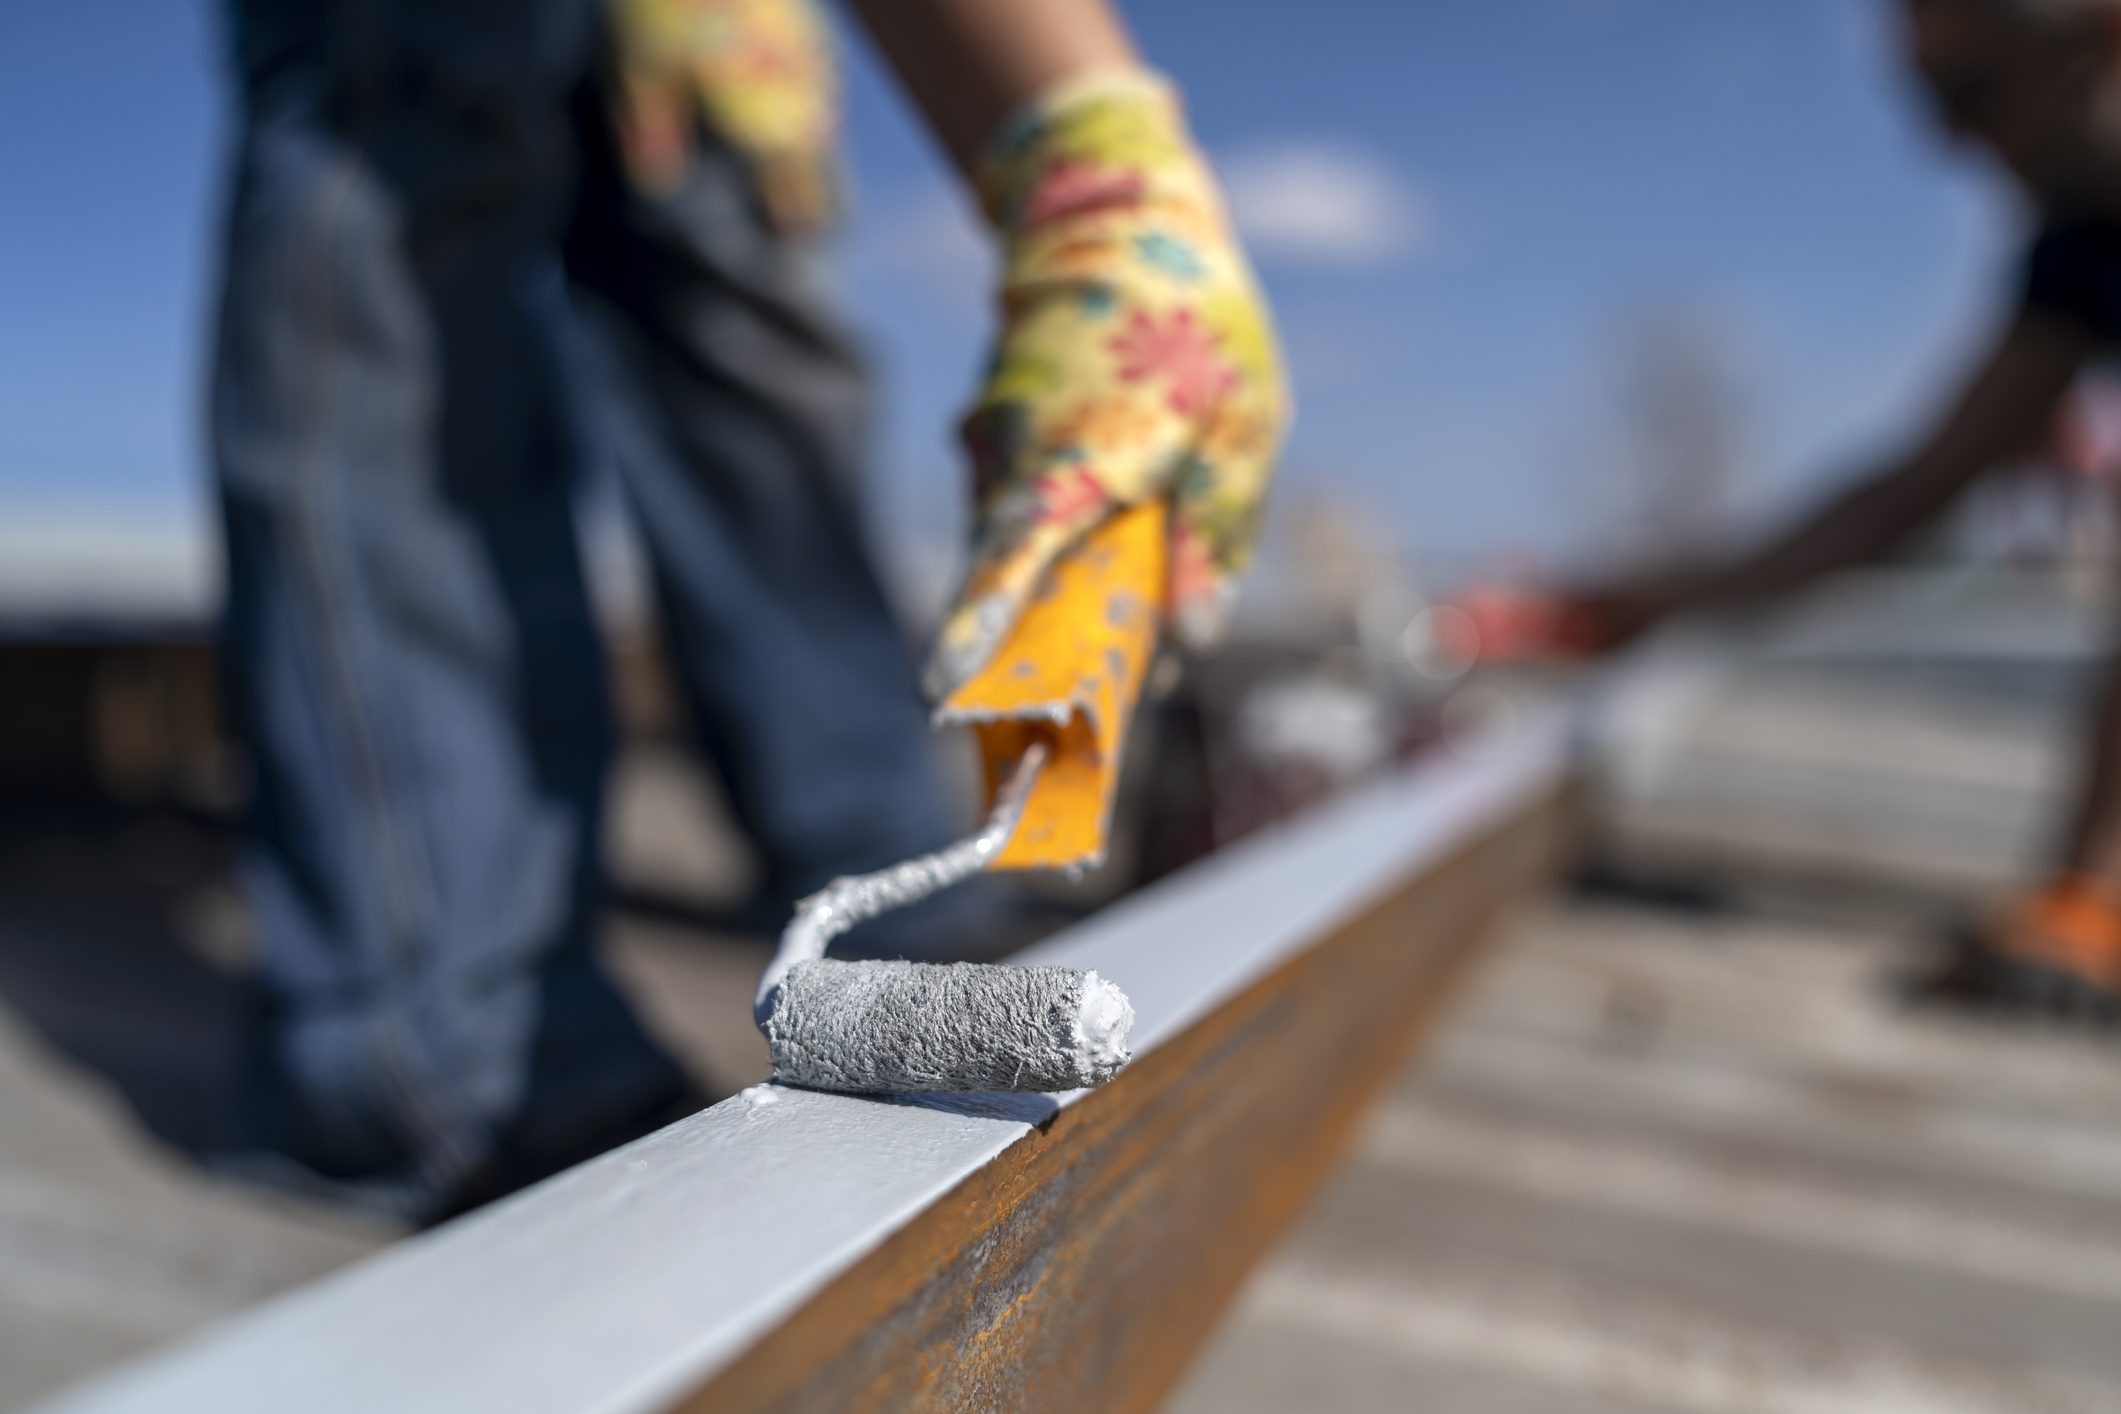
x: 759, y: 71
x: 1136, y: 361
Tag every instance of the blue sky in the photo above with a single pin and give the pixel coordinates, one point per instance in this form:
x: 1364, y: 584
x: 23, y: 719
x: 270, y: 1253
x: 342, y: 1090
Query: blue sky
x: 1458, y: 208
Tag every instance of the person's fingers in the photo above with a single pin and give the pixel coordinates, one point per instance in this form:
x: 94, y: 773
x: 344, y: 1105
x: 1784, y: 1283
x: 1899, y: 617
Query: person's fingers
x: 801, y: 192
x: 1066, y: 429
x: 1137, y: 362
x: 655, y: 105
x: 1030, y: 525
x: 759, y: 73
x: 1219, y: 494
x: 654, y: 119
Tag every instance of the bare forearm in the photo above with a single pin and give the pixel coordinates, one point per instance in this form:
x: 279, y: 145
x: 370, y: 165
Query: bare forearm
x: 1862, y: 525
x: 969, y: 64
x: 2004, y: 409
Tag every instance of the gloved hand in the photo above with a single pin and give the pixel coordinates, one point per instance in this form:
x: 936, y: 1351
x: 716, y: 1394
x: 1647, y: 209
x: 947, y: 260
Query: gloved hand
x: 760, y: 72
x: 1136, y: 361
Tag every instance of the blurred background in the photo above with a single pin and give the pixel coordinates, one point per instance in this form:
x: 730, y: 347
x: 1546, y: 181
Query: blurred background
x: 1480, y: 227
x: 1567, y: 286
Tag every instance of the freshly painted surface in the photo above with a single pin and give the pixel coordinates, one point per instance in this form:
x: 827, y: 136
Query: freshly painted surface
x: 1083, y: 1266
x: 630, y: 1281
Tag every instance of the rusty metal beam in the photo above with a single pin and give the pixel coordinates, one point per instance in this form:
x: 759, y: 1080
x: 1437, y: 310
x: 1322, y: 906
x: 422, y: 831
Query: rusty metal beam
x: 798, y: 1251
x: 1084, y: 1265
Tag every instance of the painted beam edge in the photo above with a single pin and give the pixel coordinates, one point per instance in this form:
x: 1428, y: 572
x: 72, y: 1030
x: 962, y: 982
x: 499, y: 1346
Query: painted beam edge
x: 1084, y: 1266
x: 602, y: 1291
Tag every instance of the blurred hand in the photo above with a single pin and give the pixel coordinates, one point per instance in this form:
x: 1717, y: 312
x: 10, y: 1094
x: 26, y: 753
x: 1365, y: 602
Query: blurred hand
x: 1136, y: 360
x: 1588, y: 623
x: 759, y: 72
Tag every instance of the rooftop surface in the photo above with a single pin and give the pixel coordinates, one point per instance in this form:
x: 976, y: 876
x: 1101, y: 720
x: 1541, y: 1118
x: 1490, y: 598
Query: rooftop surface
x: 1665, y: 1162
x: 1660, y: 1161
x: 1664, y: 1158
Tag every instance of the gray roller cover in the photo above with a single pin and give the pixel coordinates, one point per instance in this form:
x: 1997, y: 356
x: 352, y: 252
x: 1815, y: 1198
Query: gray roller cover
x: 864, y: 1027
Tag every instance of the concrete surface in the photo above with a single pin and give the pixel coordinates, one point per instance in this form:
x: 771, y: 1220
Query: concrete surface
x: 1914, y: 730
x: 120, y: 944
x: 1674, y: 1163
x: 112, y: 1031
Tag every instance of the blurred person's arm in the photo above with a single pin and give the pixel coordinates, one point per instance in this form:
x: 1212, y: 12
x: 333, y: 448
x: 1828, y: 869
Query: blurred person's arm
x: 972, y: 64
x: 2003, y: 410
x: 761, y: 73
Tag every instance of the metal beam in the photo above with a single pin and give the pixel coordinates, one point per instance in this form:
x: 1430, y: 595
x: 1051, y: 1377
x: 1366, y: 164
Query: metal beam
x: 804, y: 1251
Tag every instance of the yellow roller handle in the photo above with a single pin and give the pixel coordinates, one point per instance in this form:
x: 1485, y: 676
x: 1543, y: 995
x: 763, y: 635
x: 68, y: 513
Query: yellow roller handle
x: 1070, y: 675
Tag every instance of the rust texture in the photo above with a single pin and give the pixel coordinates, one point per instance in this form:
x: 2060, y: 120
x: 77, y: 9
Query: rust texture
x: 1084, y: 1266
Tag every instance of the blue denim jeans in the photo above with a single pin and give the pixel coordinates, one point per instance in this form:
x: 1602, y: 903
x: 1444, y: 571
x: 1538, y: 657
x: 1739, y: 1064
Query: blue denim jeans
x: 441, y: 301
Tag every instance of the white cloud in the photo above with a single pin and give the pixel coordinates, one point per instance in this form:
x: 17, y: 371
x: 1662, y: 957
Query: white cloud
x: 1320, y: 203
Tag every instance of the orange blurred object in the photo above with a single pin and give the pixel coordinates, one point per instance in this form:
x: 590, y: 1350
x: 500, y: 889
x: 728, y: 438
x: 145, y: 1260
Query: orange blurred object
x: 2072, y: 925
x: 1069, y: 675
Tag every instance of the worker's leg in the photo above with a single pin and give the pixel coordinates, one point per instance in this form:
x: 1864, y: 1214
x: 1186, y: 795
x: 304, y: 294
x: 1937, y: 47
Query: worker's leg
x: 2063, y: 941
x: 2093, y: 843
x: 2055, y: 948
x: 739, y: 417
x: 412, y: 652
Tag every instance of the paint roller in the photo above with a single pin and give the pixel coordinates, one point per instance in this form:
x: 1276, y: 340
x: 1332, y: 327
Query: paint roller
x: 1050, y: 714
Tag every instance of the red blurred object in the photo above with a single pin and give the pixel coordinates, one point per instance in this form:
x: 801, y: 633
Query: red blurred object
x: 1514, y: 623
